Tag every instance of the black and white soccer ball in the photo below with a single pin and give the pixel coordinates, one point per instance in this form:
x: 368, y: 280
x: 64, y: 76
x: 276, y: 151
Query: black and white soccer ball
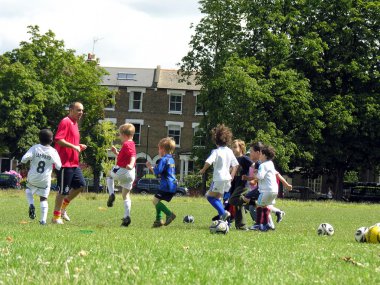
x: 325, y: 229
x: 219, y: 227
x: 188, y: 219
x: 360, y: 234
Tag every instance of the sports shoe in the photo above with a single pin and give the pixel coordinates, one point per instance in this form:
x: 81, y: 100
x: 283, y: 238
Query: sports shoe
x: 126, y: 221
x: 158, y: 223
x: 255, y: 228
x: 58, y: 221
x: 43, y: 223
x: 280, y: 215
x: 32, y: 212
x: 170, y: 219
x: 242, y: 228
x: 215, y: 218
x: 225, y: 216
x: 65, y: 216
x: 111, y: 199
x: 265, y: 228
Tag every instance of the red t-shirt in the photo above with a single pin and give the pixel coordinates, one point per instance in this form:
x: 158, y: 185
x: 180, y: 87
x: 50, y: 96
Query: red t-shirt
x: 128, y: 150
x: 68, y: 130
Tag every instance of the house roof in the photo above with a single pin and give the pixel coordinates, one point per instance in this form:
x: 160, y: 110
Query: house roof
x: 169, y: 79
x: 144, y: 77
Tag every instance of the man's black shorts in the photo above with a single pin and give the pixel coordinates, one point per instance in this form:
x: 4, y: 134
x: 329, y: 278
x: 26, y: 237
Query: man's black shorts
x: 69, y: 177
x: 162, y: 195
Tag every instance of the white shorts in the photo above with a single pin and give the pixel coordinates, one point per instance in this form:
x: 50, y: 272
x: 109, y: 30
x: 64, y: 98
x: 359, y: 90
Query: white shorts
x: 267, y: 198
x: 220, y: 186
x: 124, y: 176
x: 42, y: 192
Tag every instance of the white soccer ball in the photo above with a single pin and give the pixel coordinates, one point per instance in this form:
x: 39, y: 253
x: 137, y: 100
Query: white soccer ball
x: 188, y: 219
x: 325, y: 229
x: 219, y: 227
x: 360, y: 234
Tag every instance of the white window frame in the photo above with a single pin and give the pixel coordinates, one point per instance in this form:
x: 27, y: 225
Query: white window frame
x: 113, y: 106
x: 171, y: 93
x: 178, y: 125
x: 131, y: 91
x: 195, y: 126
x: 128, y: 76
x: 136, y: 121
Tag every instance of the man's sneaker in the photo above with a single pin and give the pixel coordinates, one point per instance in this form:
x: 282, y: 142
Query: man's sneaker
x: 43, y: 223
x: 111, y: 199
x: 280, y: 215
x: 32, y: 212
x: 126, y: 221
x: 242, y: 228
x: 158, y: 223
x: 58, y: 221
x: 65, y: 216
x: 170, y: 219
x: 265, y: 228
x: 225, y: 216
x: 255, y: 228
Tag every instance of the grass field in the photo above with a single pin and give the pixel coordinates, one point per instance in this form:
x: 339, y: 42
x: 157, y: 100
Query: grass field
x: 94, y: 249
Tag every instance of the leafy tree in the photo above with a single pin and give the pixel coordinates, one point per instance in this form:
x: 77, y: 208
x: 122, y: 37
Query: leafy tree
x: 37, y: 81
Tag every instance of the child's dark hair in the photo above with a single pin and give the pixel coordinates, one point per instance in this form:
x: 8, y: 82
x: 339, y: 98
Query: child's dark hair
x: 46, y: 136
x: 221, y: 135
x: 269, y: 152
x: 257, y: 146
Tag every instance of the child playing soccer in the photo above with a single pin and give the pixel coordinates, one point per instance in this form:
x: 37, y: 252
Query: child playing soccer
x: 124, y: 171
x: 223, y: 159
x: 42, y: 156
x: 166, y: 169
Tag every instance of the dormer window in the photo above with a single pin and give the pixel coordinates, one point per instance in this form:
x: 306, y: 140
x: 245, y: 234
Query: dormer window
x: 126, y: 76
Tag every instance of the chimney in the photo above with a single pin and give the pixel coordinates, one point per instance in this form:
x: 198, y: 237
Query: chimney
x: 157, y: 75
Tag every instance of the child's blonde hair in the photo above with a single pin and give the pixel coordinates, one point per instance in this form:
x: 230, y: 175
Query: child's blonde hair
x: 127, y: 129
x: 241, y: 144
x: 168, y: 144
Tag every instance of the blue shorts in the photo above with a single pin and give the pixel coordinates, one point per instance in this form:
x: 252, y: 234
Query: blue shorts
x: 69, y: 177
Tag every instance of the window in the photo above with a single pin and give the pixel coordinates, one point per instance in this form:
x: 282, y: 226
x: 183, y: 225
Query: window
x: 198, y: 106
x: 126, y: 76
x: 175, y: 101
x: 198, y: 138
x: 112, y: 120
x: 174, y: 131
x: 111, y: 103
x: 138, y: 126
x: 135, y: 98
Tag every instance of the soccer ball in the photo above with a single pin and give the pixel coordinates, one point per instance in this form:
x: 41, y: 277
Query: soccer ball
x: 219, y: 227
x: 373, y: 234
x: 360, y: 234
x: 188, y: 219
x: 325, y: 229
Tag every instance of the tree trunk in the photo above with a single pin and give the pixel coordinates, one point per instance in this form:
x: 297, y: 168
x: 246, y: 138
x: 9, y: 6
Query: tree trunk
x: 96, y: 181
x: 204, y: 180
x: 338, y: 189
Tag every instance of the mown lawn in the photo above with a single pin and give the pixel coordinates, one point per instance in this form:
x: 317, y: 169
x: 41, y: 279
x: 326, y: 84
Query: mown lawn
x: 94, y: 249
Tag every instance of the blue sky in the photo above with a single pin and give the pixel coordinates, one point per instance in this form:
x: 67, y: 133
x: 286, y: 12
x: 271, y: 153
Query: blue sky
x: 127, y: 33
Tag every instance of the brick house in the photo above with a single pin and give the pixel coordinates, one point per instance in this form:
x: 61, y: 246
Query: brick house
x: 158, y: 105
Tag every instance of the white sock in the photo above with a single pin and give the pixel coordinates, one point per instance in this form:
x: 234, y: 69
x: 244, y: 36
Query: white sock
x: 127, y: 208
x: 273, y: 209
x: 29, y: 196
x: 44, y: 210
x: 110, y: 185
x: 270, y: 222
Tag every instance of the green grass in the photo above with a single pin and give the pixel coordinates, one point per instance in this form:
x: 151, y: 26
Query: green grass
x: 94, y: 249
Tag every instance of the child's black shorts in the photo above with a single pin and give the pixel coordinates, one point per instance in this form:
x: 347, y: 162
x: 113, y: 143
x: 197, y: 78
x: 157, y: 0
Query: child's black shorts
x: 162, y: 195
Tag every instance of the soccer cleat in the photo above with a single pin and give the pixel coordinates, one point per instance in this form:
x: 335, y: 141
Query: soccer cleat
x: 65, y: 216
x: 43, y: 223
x: 158, y: 223
x: 255, y: 228
x: 215, y: 218
x: 280, y: 215
x: 58, y: 221
x: 111, y: 199
x: 242, y: 228
x: 170, y: 219
x: 126, y: 221
x: 225, y: 216
x: 32, y: 212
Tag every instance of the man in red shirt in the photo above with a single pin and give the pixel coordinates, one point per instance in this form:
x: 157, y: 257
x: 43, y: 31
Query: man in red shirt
x: 70, y: 178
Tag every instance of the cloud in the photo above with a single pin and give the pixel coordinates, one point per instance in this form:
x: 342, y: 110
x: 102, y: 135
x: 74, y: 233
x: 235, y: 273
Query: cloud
x: 130, y: 33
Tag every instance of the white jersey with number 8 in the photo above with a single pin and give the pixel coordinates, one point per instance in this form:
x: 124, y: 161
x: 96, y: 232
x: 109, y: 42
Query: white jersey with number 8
x: 41, y: 159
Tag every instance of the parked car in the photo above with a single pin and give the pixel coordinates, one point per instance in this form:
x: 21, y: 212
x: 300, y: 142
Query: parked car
x: 361, y: 192
x: 305, y: 193
x: 152, y: 185
x: 8, y: 181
